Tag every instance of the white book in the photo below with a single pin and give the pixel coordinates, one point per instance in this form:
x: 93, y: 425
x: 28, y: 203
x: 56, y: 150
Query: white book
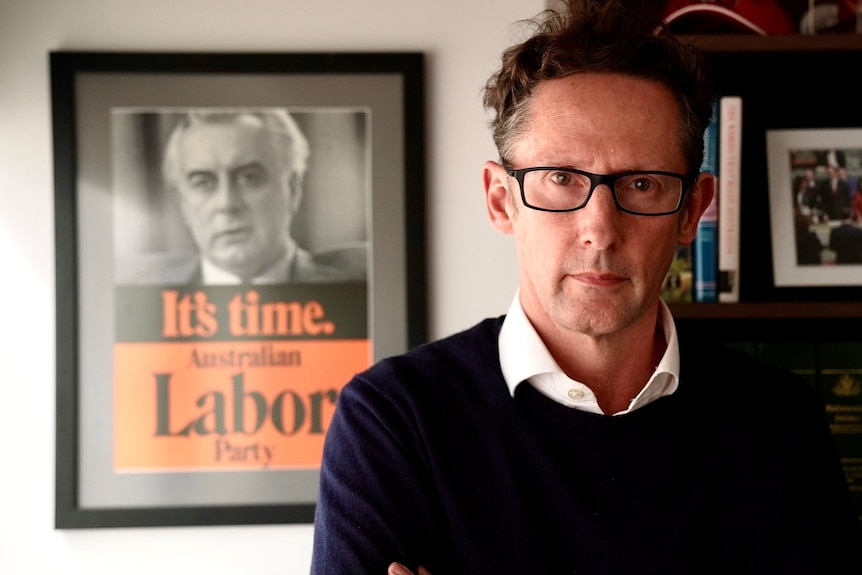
x: 729, y: 158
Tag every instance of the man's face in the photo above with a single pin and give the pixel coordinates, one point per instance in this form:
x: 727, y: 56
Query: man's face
x: 597, y: 270
x: 235, y: 194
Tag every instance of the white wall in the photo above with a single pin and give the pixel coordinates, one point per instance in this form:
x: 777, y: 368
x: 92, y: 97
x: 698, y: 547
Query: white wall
x: 471, y: 269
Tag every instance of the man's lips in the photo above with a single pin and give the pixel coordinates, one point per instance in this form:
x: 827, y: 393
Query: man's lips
x: 598, y: 279
x: 232, y: 234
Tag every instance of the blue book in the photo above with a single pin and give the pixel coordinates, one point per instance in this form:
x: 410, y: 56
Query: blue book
x: 705, y: 246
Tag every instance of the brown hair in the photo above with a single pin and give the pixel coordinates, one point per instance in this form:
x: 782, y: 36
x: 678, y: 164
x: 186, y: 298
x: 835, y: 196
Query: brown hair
x: 616, y: 36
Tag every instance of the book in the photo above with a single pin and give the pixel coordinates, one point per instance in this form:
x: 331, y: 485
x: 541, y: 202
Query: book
x: 679, y: 282
x: 841, y: 392
x: 729, y: 158
x: 705, y: 248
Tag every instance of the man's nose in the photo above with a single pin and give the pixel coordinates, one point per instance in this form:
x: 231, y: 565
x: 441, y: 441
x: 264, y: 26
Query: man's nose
x: 228, y: 195
x: 599, y: 222
x: 602, y: 200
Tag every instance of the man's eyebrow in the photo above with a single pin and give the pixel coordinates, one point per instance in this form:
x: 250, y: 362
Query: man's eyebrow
x: 249, y: 166
x: 255, y: 165
x: 199, y: 172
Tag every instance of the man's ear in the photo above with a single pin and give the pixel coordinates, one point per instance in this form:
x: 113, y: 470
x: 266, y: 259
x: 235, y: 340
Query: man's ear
x: 181, y: 204
x: 293, y: 185
x: 498, y: 200
x: 696, y: 203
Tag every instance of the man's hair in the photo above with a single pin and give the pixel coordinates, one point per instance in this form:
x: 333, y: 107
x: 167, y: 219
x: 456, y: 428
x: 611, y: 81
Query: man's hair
x: 604, y: 36
x: 278, y: 122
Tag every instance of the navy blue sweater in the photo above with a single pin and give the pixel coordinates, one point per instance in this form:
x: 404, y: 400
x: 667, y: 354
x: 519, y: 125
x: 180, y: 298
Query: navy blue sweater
x: 429, y: 460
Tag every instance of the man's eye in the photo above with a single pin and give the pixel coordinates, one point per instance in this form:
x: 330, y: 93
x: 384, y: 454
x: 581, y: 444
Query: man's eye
x: 202, y: 182
x: 643, y: 184
x: 251, y: 178
x: 561, y: 178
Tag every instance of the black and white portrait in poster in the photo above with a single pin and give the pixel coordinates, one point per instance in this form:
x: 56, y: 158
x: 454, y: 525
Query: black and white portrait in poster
x: 219, y: 196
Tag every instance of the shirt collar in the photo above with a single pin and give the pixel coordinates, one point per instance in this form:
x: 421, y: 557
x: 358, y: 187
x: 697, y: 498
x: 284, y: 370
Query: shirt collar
x: 524, y: 355
x: 279, y: 272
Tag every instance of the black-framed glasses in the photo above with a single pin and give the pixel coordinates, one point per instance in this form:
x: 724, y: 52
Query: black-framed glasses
x: 643, y: 193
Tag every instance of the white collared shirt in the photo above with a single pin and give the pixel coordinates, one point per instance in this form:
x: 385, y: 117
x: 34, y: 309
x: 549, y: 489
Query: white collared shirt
x: 524, y: 357
x: 277, y: 273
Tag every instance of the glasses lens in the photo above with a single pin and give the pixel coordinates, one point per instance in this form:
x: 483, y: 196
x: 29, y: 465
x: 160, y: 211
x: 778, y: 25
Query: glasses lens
x: 642, y: 193
x: 647, y: 193
x: 556, y: 189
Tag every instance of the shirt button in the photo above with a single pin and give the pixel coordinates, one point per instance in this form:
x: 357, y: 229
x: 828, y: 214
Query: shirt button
x: 576, y: 394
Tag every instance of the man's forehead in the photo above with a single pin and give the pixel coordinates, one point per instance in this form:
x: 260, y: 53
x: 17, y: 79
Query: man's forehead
x: 586, y: 118
x: 241, y: 123
x: 237, y: 141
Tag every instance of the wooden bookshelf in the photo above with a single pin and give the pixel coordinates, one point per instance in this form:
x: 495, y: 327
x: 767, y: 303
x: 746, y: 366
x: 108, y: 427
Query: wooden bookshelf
x: 780, y: 79
x: 771, y: 310
x: 768, y: 322
x: 790, y: 43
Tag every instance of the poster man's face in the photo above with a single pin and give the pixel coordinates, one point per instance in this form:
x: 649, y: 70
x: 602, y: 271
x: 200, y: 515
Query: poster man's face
x: 235, y: 194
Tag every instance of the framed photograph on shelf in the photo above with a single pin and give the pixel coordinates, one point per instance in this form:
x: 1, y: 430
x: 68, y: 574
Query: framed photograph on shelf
x: 815, y: 178
x: 236, y: 236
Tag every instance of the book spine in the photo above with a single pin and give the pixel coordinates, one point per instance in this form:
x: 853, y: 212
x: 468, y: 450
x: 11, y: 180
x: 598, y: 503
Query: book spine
x: 706, y: 241
x: 841, y: 392
x: 679, y: 282
x: 729, y: 157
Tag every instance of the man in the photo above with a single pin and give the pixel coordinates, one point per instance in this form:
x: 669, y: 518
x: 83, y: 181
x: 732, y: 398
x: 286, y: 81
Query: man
x: 833, y: 197
x: 845, y: 240
x: 805, y: 189
x: 238, y: 178
x: 578, y: 434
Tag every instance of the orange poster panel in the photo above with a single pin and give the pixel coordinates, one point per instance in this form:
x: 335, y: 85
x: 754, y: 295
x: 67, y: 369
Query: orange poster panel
x: 223, y: 406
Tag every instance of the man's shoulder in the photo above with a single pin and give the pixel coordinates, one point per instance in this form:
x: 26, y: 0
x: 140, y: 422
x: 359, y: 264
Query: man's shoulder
x: 343, y: 263
x: 166, y: 268
x: 478, y: 339
x: 459, y: 373
x: 717, y: 372
x: 724, y: 359
x: 471, y: 351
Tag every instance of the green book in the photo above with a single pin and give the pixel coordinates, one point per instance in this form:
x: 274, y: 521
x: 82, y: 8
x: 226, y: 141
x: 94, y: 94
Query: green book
x: 841, y: 391
x: 679, y: 282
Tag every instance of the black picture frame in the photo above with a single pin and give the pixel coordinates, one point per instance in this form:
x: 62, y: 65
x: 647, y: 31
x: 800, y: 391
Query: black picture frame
x: 92, y: 309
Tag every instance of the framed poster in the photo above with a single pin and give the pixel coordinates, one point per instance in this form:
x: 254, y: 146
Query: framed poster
x: 236, y: 236
x: 815, y: 197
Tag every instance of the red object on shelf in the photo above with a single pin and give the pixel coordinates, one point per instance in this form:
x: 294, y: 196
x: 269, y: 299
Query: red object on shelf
x: 764, y: 17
